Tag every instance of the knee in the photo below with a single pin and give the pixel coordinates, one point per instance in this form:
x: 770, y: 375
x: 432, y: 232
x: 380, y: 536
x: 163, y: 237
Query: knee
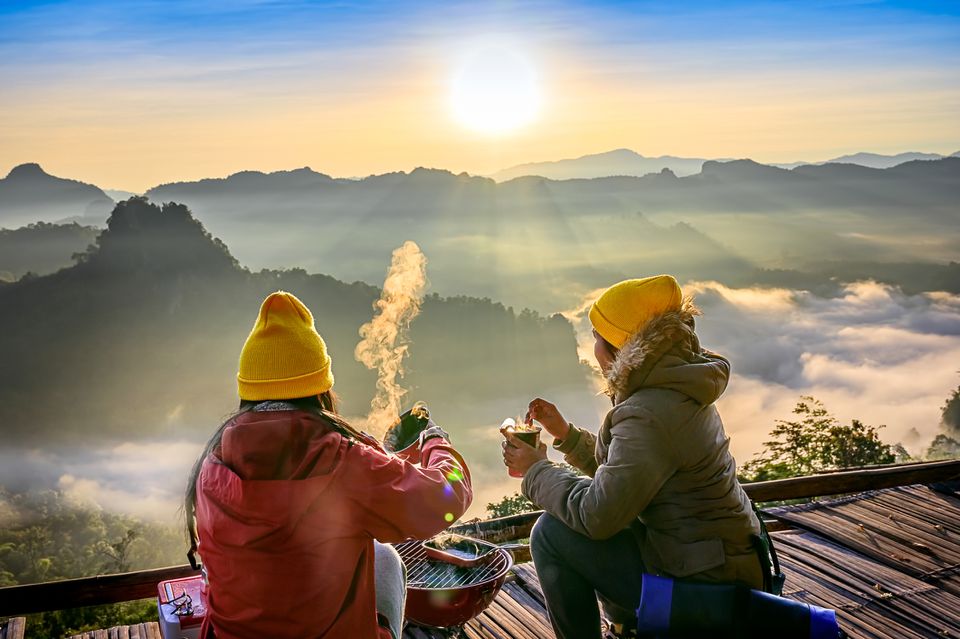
x: 545, y: 533
x: 386, y: 560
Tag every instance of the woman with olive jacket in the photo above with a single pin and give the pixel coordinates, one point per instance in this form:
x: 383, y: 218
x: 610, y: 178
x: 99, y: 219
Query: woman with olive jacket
x: 660, y: 493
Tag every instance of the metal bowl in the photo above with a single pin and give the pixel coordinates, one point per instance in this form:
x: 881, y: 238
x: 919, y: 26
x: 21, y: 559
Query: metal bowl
x: 441, y: 594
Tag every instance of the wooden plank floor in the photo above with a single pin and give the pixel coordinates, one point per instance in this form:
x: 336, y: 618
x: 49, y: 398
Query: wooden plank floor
x: 149, y: 630
x: 887, y: 561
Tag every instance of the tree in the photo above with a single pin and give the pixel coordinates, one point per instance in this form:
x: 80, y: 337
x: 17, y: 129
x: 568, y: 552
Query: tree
x: 815, y: 441
x: 118, y: 553
x: 510, y: 505
x: 901, y: 455
x: 943, y: 447
x: 950, y: 415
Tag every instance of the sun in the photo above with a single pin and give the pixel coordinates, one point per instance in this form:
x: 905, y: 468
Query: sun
x: 495, y: 90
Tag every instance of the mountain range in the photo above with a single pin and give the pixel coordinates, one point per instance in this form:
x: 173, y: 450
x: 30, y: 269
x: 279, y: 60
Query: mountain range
x: 29, y: 194
x: 140, y: 337
x: 630, y: 163
x: 537, y: 242
x: 540, y: 243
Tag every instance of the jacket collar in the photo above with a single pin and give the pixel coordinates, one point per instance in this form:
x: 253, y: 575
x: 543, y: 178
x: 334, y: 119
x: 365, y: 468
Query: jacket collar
x: 668, y: 332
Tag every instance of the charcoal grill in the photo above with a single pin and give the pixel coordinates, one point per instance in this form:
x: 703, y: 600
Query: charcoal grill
x: 442, y: 594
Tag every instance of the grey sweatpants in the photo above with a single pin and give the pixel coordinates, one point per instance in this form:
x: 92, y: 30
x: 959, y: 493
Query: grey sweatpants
x: 391, y: 583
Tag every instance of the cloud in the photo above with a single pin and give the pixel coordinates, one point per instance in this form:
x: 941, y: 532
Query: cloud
x: 145, y: 479
x: 872, y: 353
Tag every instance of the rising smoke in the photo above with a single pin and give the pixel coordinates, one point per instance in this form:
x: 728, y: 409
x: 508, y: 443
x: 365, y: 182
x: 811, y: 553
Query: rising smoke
x: 384, y: 340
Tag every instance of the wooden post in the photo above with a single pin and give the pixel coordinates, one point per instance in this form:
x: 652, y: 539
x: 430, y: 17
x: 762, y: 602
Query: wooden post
x: 13, y: 628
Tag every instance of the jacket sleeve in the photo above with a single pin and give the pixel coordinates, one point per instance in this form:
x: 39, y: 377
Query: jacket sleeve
x: 639, y: 461
x: 579, y: 450
x: 396, y: 500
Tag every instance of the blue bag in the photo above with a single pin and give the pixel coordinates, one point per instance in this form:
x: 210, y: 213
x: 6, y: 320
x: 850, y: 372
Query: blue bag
x: 678, y: 609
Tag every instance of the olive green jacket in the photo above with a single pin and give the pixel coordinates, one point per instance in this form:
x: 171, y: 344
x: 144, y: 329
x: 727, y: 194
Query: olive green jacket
x: 661, y: 460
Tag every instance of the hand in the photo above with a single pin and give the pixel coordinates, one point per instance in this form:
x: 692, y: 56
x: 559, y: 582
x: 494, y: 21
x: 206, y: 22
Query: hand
x: 519, y: 456
x: 432, y: 430
x: 548, y: 415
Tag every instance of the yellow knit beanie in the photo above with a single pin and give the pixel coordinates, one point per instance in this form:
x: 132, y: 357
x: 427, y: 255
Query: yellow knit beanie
x: 626, y: 307
x: 284, y: 357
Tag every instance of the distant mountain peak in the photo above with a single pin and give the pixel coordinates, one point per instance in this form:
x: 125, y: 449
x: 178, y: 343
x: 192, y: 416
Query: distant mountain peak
x: 30, y: 194
x: 618, y: 162
x: 423, y: 170
x: 740, y: 169
x: 629, y: 153
x: 141, y: 235
x: 27, y: 170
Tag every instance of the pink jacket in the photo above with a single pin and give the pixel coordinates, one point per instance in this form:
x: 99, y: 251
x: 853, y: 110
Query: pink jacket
x: 287, y: 511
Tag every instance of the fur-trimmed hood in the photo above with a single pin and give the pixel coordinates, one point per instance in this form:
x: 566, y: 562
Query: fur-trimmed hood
x: 666, y: 353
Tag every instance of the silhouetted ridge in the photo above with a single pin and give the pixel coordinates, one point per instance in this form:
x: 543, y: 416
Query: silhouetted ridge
x: 618, y: 162
x: 879, y: 161
x: 742, y: 170
x: 148, y: 325
x: 42, y: 248
x: 141, y: 236
x: 29, y: 194
x: 837, y: 171
x: 27, y: 171
x: 946, y: 169
x: 244, y: 181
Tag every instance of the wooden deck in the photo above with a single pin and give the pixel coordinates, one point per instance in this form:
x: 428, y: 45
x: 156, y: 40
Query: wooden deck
x: 888, y: 561
x: 149, y: 630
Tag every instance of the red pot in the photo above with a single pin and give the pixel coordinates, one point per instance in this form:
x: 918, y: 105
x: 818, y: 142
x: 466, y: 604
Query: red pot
x: 441, y: 594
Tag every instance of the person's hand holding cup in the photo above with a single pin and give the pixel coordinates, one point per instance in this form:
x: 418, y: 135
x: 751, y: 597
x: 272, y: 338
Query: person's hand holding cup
x: 522, y: 447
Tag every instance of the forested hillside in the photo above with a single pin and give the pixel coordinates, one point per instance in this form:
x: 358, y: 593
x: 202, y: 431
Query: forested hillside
x: 141, y: 336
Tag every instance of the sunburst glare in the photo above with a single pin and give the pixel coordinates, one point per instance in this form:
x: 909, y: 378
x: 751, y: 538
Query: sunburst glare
x: 495, y: 90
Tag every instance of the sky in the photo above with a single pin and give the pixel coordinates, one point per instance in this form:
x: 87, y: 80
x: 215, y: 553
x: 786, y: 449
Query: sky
x: 129, y: 95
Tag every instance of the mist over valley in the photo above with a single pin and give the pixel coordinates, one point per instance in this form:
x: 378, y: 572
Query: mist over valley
x: 839, y: 281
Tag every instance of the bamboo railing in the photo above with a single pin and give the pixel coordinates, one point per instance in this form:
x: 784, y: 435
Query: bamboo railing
x: 106, y: 589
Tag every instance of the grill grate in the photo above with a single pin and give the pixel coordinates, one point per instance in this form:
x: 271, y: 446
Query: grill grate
x: 426, y: 573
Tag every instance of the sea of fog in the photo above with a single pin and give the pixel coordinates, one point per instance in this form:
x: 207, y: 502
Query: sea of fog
x: 871, y: 353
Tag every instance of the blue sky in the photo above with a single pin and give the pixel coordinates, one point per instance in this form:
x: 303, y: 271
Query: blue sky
x: 163, y: 65
x: 38, y: 37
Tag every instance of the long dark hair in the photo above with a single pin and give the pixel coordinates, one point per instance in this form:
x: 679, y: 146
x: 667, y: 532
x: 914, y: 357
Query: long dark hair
x: 325, y: 405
